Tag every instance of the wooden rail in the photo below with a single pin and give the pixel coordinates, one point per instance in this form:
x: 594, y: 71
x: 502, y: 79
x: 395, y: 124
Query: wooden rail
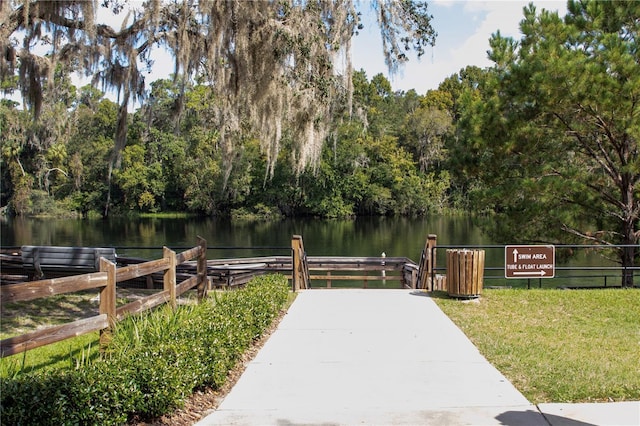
x: 364, y: 269
x: 106, y: 280
x: 315, y: 271
x: 308, y: 271
x: 236, y: 272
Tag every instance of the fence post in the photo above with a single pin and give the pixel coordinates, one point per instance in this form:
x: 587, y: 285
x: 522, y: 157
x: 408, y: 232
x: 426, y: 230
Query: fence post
x: 431, y: 258
x: 427, y: 265
x: 202, y: 269
x: 108, y: 300
x: 296, y: 276
x: 169, y: 278
x: 300, y: 275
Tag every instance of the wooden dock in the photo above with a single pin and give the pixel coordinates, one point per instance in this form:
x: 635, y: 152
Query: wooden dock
x: 323, y: 271
x: 304, y: 271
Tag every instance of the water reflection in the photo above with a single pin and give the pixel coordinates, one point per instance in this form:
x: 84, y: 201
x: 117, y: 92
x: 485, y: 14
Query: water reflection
x: 368, y: 236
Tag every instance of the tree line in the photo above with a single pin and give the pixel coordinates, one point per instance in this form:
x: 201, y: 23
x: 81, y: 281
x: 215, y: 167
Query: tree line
x: 543, y: 144
x: 388, y: 158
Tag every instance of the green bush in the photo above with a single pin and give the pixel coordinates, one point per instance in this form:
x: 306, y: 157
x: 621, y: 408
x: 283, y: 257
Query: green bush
x: 259, y: 212
x: 153, y: 363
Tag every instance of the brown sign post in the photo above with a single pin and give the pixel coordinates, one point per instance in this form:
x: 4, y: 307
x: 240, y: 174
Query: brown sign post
x: 529, y: 261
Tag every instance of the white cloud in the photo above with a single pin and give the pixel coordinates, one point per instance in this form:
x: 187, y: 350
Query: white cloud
x: 464, y: 29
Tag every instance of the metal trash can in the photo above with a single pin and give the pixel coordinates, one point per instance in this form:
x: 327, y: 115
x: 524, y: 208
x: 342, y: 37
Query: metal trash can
x: 465, y: 273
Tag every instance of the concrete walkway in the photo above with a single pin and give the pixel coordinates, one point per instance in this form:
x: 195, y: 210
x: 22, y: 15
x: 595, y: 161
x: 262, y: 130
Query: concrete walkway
x: 381, y: 357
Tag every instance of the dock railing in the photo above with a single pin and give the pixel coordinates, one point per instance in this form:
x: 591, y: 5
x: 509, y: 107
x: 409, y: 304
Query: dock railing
x: 300, y: 267
x: 329, y: 272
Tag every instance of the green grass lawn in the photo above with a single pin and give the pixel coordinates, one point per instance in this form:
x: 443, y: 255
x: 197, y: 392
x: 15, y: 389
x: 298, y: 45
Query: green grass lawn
x: 17, y: 318
x: 70, y: 353
x: 557, y: 345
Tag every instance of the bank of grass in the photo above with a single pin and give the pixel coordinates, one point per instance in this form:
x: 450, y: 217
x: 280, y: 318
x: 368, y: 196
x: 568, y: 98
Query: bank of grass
x: 152, y: 364
x: 555, y: 345
x: 67, y: 354
x: 166, y: 215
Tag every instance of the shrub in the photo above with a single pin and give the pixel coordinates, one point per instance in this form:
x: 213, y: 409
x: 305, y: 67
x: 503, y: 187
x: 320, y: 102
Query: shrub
x: 154, y: 361
x: 259, y: 212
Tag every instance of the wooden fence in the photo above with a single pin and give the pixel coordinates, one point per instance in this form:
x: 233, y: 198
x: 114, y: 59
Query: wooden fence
x: 324, y: 271
x: 307, y: 272
x: 328, y: 270
x: 228, y: 273
x: 106, y: 280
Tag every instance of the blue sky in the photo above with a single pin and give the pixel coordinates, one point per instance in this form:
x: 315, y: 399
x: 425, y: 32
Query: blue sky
x: 463, y: 26
x: 464, y: 29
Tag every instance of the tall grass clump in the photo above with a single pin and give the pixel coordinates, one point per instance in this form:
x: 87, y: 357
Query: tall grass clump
x: 152, y: 364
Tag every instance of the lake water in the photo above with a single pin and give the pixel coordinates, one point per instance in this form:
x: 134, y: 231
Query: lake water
x: 369, y: 236
x: 357, y: 237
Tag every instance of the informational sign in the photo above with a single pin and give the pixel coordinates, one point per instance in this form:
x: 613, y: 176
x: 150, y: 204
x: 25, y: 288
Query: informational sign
x: 537, y: 261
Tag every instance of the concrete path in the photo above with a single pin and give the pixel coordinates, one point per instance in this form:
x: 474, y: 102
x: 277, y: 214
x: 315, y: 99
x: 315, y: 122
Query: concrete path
x: 374, y: 357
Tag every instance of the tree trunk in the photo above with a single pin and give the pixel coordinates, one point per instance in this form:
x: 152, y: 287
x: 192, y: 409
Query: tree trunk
x: 629, y: 235
x: 628, y: 254
x: 119, y: 144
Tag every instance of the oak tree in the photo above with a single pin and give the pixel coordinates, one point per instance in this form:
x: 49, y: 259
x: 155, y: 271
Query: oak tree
x: 273, y: 64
